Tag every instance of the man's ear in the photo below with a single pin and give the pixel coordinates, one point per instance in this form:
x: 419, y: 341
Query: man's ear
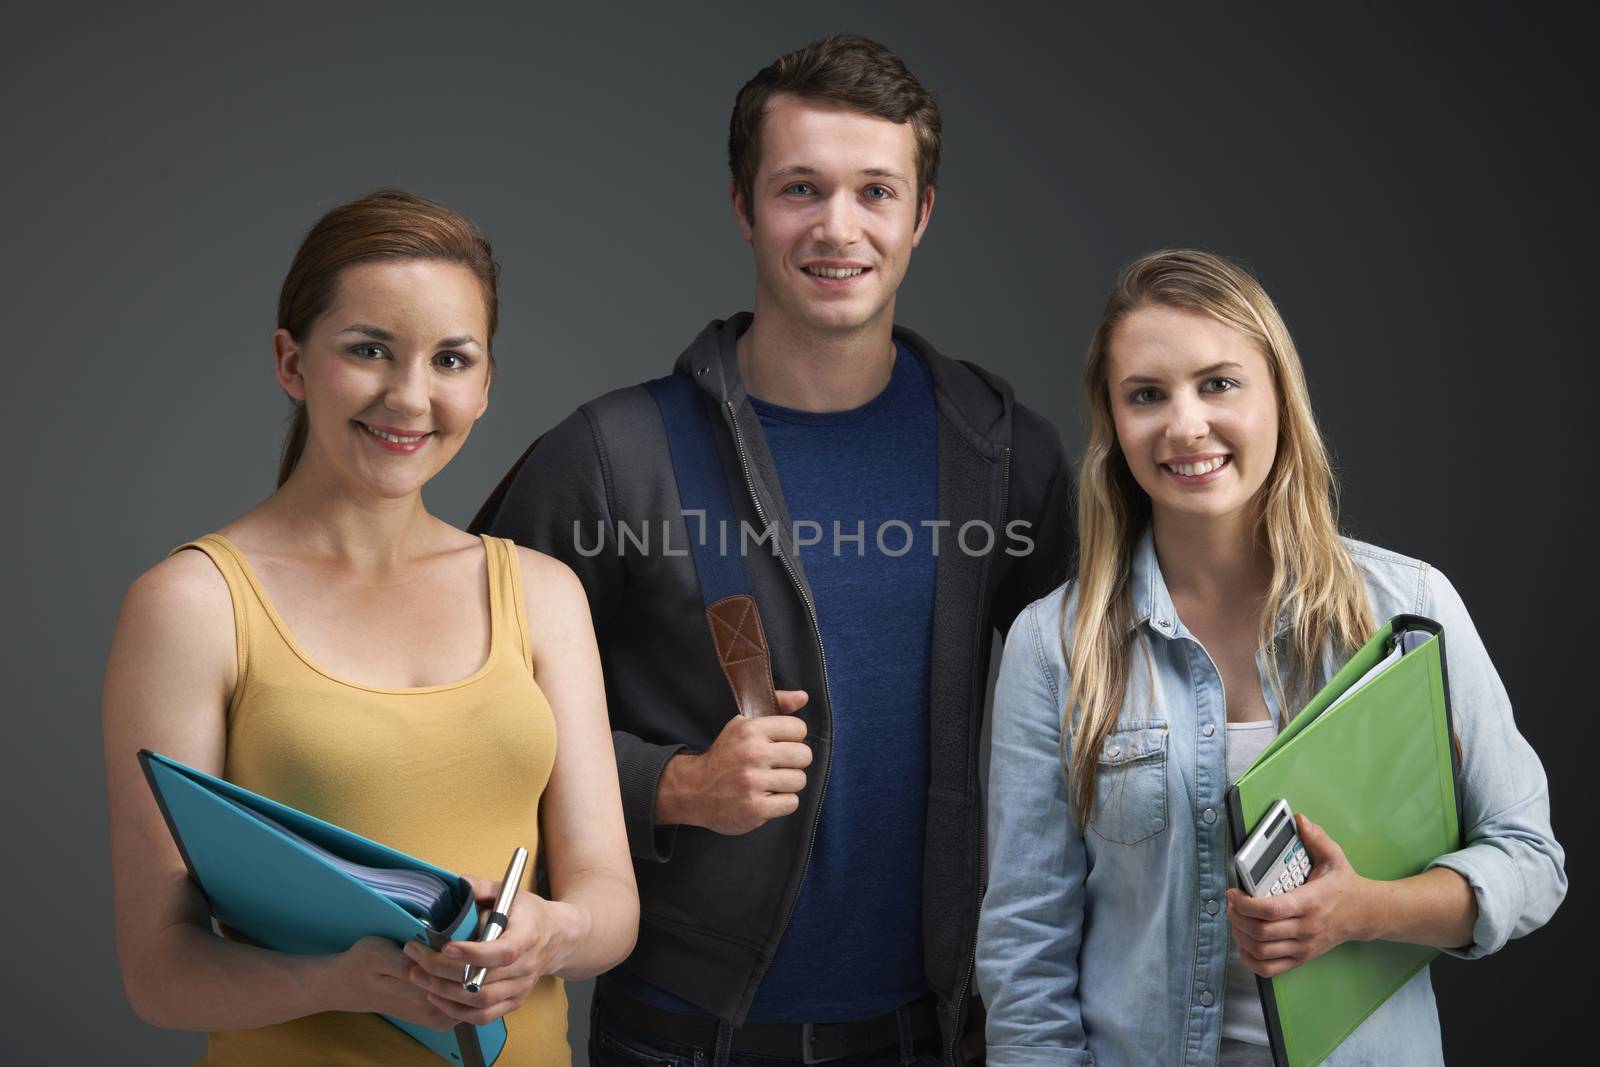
x: 925, y: 209
x: 741, y: 209
x: 286, y: 360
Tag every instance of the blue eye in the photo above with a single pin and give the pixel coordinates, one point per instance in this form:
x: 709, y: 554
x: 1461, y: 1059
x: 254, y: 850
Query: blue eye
x: 799, y: 188
x: 879, y: 192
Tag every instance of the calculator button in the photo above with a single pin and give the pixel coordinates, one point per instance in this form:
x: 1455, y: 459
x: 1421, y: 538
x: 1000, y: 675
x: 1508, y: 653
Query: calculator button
x: 1277, y: 889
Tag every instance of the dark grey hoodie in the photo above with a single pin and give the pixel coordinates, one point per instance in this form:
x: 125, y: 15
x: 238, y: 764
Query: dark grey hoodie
x: 713, y: 907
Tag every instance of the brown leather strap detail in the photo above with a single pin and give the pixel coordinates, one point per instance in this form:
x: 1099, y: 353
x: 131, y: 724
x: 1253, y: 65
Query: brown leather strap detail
x: 742, y: 648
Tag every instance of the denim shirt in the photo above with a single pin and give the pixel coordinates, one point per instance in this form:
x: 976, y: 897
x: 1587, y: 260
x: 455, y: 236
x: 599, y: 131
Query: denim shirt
x: 1109, y: 946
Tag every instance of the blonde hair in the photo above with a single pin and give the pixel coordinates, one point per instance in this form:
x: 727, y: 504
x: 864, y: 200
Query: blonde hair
x: 1314, y: 580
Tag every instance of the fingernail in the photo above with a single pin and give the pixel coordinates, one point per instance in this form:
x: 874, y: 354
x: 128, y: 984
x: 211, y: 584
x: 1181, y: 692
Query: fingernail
x: 451, y: 951
x: 411, y: 950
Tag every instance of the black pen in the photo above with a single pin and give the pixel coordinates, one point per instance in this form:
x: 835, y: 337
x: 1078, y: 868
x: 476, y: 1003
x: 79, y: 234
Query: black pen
x: 500, y: 917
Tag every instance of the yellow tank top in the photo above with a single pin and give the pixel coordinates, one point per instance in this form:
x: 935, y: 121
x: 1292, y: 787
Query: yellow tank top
x: 449, y: 773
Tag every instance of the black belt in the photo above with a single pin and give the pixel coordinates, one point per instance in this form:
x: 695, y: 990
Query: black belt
x: 807, y: 1042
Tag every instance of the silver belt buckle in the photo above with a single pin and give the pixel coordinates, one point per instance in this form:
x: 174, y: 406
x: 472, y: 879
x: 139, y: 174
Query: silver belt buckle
x: 807, y: 1052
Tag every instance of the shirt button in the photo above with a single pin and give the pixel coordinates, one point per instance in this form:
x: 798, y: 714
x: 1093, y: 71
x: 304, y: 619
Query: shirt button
x: 1209, y: 728
x: 1207, y: 999
x: 1209, y: 815
x: 1211, y: 907
x: 1272, y: 648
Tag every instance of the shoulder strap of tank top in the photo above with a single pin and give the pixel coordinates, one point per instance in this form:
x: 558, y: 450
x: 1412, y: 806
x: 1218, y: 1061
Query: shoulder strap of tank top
x: 239, y: 591
x: 506, y: 578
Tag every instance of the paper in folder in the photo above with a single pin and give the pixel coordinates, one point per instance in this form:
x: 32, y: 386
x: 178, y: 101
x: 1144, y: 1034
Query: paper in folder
x: 292, y: 882
x: 1370, y: 759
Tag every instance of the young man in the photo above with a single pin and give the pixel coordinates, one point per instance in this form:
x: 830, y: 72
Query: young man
x: 809, y: 879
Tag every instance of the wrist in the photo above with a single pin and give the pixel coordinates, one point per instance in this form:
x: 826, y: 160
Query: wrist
x: 1375, y: 901
x: 573, y: 930
x: 675, y: 792
x: 326, y: 985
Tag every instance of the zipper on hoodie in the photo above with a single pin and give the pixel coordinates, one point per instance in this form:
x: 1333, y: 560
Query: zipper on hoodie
x: 811, y: 614
x: 983, y: 824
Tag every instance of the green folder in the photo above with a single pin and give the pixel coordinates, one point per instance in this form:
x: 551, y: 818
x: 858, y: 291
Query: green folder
x: 1377, y: 772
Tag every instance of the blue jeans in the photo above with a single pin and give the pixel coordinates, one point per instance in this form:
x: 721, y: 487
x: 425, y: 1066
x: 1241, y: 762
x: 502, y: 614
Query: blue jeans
x: 611, y: 1045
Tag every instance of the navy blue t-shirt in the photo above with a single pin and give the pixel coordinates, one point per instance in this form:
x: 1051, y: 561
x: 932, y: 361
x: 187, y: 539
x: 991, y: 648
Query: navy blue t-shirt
x: 853, y: 946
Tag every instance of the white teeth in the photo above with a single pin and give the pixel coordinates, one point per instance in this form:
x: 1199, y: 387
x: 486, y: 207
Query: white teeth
x: 835, y: 272
x: 392, y: 437
x: 1190, y: 470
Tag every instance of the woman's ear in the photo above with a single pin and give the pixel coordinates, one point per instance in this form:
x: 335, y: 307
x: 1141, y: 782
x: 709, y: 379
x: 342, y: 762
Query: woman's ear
x: 286, y: 357
x: 488, y: 380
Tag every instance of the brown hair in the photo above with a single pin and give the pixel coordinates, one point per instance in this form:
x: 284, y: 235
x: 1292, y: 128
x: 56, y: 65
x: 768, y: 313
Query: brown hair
x: 852, y: 72
x: 388, y: 224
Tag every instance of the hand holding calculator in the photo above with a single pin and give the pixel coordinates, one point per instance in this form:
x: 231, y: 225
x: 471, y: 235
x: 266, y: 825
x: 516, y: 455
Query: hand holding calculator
x: 1273, y: 860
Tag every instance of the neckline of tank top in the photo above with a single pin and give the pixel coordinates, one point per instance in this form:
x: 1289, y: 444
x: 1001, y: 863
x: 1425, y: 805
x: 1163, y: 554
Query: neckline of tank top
x: 311, y: 662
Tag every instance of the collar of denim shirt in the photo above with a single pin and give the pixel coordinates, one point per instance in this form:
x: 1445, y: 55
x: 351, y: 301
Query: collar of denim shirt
x: 1152, y: 603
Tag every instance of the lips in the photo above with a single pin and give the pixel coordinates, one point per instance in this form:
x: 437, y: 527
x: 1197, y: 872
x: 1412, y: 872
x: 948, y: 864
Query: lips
x: 395, y: 439
x: 1196, y: 470
x: 835, y: 273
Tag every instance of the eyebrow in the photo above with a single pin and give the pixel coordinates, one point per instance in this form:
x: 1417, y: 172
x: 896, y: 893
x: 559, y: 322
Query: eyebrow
x: 1139, y: 379
x: 378, y: 333
x: 800, y: 170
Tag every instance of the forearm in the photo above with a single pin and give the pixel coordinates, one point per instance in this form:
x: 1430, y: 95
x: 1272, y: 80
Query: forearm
x: 603, y: 913
x: 191, y: 979
x: 1436, y: 907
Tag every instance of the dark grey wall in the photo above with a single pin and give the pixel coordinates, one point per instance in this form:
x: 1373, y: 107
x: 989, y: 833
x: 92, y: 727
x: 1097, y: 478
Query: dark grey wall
x: 1415, y: 190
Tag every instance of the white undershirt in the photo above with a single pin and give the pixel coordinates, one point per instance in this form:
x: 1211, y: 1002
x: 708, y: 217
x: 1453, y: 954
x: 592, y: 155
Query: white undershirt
x: 1242, y: 1020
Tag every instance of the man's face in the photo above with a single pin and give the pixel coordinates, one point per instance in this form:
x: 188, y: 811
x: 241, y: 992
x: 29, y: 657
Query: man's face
x: 836, y: 215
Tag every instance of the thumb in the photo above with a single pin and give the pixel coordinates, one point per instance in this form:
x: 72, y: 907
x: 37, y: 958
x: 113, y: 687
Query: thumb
x: 791, y: 700
x: 483, y: 889
x: 1324, y: 849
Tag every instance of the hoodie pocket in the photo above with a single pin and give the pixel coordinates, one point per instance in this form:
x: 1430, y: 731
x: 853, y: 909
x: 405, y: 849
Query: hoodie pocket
x: 1130, y: 783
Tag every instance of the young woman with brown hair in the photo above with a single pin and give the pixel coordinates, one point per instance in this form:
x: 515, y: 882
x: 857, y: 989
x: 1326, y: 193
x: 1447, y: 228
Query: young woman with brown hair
x: 343, y: 651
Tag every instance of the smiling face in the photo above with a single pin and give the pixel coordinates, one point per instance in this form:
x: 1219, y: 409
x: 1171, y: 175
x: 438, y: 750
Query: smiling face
x: 393, y: 374
x: 835, y: 209
x: 1196, y: 412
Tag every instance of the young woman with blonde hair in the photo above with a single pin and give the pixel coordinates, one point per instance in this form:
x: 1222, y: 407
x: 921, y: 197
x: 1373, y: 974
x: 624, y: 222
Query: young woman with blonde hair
x: 1212, y: 596
x: 345, y: 652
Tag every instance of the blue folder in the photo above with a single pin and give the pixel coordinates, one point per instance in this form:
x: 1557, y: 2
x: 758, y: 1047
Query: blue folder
x: 263, y: 883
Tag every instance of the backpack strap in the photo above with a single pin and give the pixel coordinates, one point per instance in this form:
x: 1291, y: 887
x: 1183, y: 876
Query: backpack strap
x: 731, y: 612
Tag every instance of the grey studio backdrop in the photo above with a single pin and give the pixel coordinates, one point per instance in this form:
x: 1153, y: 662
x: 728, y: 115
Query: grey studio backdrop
x: 1412, y: 187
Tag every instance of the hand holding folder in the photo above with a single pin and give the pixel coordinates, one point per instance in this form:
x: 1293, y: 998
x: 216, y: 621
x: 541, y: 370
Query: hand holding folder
x: 291, y: 882
x: 1369, y: 760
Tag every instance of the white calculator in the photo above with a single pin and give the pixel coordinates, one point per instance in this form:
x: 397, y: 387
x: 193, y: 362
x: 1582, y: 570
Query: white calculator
x: 1274, y: 859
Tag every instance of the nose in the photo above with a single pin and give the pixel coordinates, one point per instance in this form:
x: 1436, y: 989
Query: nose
x: 406, y: 391
x: 1186, y: 421
x: 838, y: 227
